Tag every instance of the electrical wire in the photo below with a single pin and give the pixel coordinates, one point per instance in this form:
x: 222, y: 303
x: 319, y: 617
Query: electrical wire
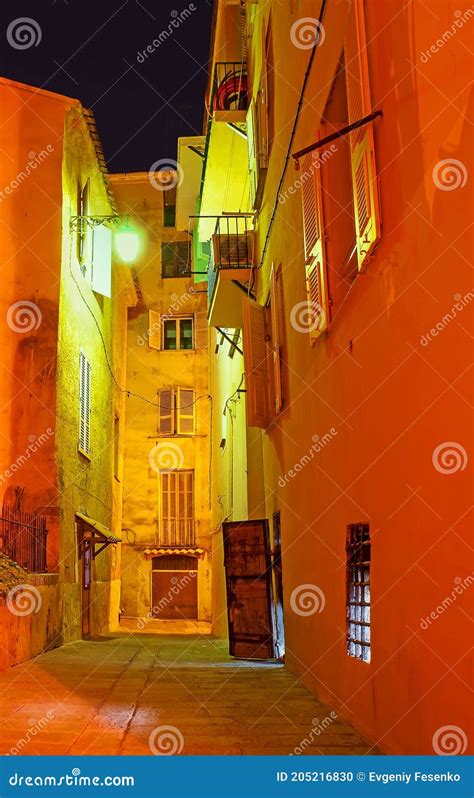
x: 104, y: 347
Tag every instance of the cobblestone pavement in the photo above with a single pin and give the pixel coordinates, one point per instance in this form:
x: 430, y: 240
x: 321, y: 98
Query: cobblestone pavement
x: 114, y: 695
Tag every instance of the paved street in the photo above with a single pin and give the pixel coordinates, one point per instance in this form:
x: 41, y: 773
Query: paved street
x: 115, y: 696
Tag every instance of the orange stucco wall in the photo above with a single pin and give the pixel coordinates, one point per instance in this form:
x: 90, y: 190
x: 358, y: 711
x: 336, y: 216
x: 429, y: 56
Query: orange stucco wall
x: 391, y: 395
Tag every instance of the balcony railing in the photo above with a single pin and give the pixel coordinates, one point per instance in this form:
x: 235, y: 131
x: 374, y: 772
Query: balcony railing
x: 233, y: 242
x: 229, y: 86
x: 23, y: 538
x: 177, y: 532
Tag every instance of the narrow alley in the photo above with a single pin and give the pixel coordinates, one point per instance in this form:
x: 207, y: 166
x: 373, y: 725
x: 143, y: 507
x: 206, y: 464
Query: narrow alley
x: 152, y: 694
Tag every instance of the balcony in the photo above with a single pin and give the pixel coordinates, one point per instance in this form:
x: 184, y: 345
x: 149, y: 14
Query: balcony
x: 230, y: 270
x: 225, y: 177
x: 177, y: 532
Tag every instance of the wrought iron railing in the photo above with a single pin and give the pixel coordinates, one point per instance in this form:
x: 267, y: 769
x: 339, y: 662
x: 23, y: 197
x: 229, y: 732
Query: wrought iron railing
x: 229, y: 91
x: 177, y: 532
x: 233, y: 242
x: 23, y: 538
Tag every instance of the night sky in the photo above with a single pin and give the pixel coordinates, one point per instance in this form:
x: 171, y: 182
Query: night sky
x: 89, y: 50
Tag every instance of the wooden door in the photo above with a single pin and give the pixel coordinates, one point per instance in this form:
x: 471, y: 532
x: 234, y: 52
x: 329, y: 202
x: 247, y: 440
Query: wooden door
x: 86, y: 587
x: 248, y: 568
x: 174, y: 595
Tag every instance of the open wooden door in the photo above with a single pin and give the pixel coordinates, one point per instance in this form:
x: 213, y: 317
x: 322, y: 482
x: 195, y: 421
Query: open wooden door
x: 248, y: 568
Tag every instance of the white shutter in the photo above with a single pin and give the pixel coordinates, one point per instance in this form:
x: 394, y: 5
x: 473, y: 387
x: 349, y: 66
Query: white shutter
x: 84, y: 403
x: 256, y: 364
x: 154, y: 325
x: 102, y: 260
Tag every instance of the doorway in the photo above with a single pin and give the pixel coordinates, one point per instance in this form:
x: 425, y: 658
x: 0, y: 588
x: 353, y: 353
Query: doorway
x: 248, y: 568
x: 174, y: 587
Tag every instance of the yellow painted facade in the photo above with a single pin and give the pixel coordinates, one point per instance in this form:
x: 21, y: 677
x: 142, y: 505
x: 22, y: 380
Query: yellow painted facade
x: 153, y: 455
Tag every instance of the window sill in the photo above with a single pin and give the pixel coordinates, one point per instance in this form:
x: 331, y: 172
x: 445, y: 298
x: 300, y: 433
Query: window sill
x: 84, y: 454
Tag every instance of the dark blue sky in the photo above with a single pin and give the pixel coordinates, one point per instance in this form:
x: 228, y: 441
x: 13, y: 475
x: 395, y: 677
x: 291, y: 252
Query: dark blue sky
x: 89, y: 50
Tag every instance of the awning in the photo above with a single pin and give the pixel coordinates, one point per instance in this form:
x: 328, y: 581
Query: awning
x: 97, y: 533
x: 190, y: 551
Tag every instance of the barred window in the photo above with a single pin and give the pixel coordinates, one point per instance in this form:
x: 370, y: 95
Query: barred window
x: 358, y: 591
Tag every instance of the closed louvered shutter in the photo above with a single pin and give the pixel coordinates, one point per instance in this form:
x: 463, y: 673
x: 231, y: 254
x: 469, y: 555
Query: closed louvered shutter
x: 252, y: 156
x: 256, y: 364
x: 166, y: 411
x: 276, y: 309
x: 364, y: 175
x: 84, y: 404
x: 175, y: 259
x: 185, y: 411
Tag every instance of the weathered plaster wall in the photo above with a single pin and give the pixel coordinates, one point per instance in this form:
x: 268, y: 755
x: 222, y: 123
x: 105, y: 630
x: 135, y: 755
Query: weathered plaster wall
x: 148, y: 370
x: 25, y: 636
x: 89, y: 321
x: 391, y: 398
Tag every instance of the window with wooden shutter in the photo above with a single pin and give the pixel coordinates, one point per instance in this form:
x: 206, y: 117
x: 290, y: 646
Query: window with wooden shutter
x: 364, y: 174
x: 154, y: 322
x: 256, y: 364
x: 276, y: 310
x: 176, y: 259
x: 314, y: 246
x: 84, y: 404
x: 176, y: 411
x: 185, y: 411
x: 166, y: 411
x: 177, y: 508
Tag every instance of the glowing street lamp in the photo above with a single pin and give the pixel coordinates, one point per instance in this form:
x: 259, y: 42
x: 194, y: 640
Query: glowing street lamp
x: 127, y: 243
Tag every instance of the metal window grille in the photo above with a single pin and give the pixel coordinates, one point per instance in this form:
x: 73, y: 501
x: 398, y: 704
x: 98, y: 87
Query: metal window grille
x: 358, y: 591
x: 23, y: 538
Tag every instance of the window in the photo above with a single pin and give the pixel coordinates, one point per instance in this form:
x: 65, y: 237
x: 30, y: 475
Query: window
x: 358, y: 591
x: 176, y: 411
x: 84, y: 404
x: 178, y: 333
x: 364, y: 175
x: 169, y: 207
x: 334, y: 163
x: 116, y: 447
x: 314, y: 247
x: 176, y: 259
x: 176, y: 526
